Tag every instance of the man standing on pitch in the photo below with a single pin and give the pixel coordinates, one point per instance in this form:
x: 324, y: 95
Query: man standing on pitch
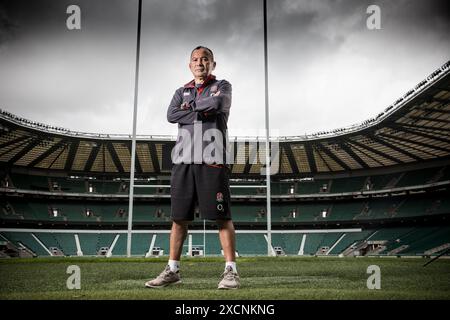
x: 199, y: 173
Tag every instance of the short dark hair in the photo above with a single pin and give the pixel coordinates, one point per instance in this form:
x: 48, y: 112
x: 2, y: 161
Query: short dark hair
x: 205, y: 48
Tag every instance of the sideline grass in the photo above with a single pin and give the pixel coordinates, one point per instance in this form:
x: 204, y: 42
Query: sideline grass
x: 261, y: 278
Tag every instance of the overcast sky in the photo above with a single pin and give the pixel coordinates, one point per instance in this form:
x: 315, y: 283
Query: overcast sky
x: 326, y: 68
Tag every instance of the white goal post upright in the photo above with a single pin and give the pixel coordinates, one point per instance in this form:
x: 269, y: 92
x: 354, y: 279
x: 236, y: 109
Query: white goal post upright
x: 268, y: 164
x: 133, y: 143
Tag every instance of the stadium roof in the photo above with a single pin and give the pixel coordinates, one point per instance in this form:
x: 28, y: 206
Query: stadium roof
x: 415, y: 129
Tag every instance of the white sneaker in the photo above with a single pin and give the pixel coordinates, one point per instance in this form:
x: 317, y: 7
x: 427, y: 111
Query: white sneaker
x: 166, y: 278
x: 230, y: 279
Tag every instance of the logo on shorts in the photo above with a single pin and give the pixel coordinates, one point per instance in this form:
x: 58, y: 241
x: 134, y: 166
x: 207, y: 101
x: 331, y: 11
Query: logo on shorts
x: 219, y: 199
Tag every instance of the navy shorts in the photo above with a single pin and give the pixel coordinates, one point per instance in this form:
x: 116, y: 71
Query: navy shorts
x: 207, y: 186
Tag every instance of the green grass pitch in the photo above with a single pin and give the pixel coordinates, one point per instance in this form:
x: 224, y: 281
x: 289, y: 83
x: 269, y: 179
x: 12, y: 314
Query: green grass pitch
x: 268, y: 278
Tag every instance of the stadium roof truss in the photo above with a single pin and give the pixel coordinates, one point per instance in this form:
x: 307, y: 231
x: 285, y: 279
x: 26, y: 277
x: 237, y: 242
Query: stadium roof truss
x: 414, y: 129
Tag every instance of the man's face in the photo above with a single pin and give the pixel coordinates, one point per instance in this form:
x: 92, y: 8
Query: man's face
x: 201, y: 63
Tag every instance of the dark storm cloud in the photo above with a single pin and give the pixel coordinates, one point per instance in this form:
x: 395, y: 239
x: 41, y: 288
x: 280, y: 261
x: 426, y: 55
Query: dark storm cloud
x: 322, y: 50
x: 54, y: 75
x: 92, y: 69
x: 182, y: 24
x: 319, y: 50
x: 7, y: 27
x: 48, y: 17
x: 232, y: 29
x: 314, y: 24
x: 202, y: 18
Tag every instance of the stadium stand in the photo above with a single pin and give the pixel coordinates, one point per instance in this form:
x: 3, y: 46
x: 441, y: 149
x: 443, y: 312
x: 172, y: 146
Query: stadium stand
x: 384, y: 241
x: 89, y: 243
x: 251, y: 244
x: 387, y: 179
x: 95, y: 212
x: 27, y: 239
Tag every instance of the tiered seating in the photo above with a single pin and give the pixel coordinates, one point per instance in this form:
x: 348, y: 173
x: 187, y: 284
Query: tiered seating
x: 238, y: 189
x: 347, y: 184
x: 49, y: 240
x: 310, y: 187
x: 148, y: 212
x: 120, y: 248
x: 349, y: 239
x: 413, y: 207
x: 445, y: 174
x: 290, y: 242
x: 30, y: 182
x: 381, y: 209
x: 251, y: 244
x: 106, y: 212
x: 311, y: 212
x: 213, y: 246
x: 440, y: 206
x: 277, y: 189
x: 140, y: 243
x: 390, y: 234
x: 116, y: 212
x: 336, y: 185
x: 329, y: 239
x: 417, y: 177
x: 247, y: 213
x: 427, y: 238
x: 284, y: 212
x: 212, y: 243
x: 314, y: 241
x: 380, y: 182
x: 73, y: 212
x: 345, y: 211
x: 26, y: 239
x: 412, y: 236
x: 414, y: 241
x: 105, y: 240
x: 35, y: 211
x: 67, y: 243
x: 89, y: 243
x: 106, y: 187
x: 8, y: 212
x: 162, y: 241
x: 152, y: 190
x: 69, y: 185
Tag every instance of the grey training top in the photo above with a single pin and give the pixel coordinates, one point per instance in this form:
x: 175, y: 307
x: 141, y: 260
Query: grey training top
x: 202, y: 122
